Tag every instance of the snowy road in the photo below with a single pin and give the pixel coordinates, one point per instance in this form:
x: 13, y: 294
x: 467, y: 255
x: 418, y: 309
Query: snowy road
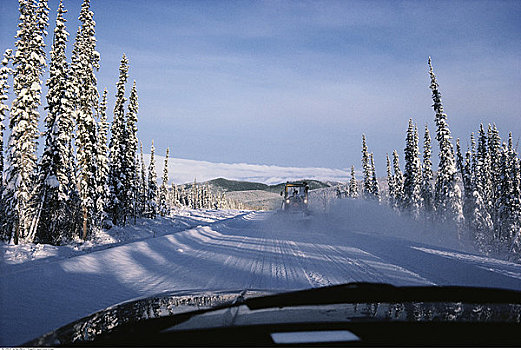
x: 252, y: 251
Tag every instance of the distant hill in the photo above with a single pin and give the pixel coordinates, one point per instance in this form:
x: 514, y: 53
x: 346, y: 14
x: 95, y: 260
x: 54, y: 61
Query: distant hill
x: 256, y: 199
x: 225, y: 185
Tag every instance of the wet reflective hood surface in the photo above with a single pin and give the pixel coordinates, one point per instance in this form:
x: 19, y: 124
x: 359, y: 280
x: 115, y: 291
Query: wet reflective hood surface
x: 374, y: 314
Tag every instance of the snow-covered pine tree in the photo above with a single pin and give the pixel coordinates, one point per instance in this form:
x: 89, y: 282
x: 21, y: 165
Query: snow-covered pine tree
x: 176, y: 196
x: 482, y: 224
x: 412, y: 174
x: 459, y: 165
x: 142, y: 183
x: 53, y: 199
x: 84, y: 64
x: 496, y: 169
x: 152, y: 207
x: 504, y: 200
x: 375, y: 190
x: 419, y: 175
x: 514, y: 231
x: 28, y: 63
x: 5, y: 71
x: 465, y: 168
x: 482, y: 169
x: 398, y: 181
x: 366, y: 167
x: 390, y: 182
x: 206, y: 194
x: 131, y: 142
x: 447, y: 194
x: 163, y: 189
x: 426, y: 185
x: 117, y: 166
x: 102, y: 151
x: 353, y: 186
x: 508, y: 202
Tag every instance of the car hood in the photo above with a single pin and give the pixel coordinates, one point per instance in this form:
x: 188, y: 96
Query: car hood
x: 161, y: 305
x: 181, y: 310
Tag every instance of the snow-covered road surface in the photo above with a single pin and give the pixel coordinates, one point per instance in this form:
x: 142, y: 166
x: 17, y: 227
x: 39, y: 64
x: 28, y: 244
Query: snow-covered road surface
x: 258, y: 250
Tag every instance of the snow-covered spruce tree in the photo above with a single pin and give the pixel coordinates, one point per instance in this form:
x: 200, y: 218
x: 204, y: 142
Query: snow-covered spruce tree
x: 496, y: 164
x: 366, y: 167
x: 142, y: 184
x: 482, y: 224
x: 482, y: 169
x: 426, y: 185
x: 503, y: 191
x: 353, y: 186
x: 412, y: 175
x: 176, y: 196
x: 117, y: 164
x: 419, y: 175
x: 398, y: 181
x: 390, y: 183
x: 447, y: 194
x: 163, y: 189
x: 205, y: 196
x: 131, y: 142
x: 172, y: 196
x: 508, y: 198
x: 375, y: 190
x: 102, y: 151
x: 152, y: 207
x: 28, y: 66
x: 85, y: 62
x: 53, y: 191
x: 5, y: 71
x: 515, y: 204
x: 194, y: 194
x: 464, y: 166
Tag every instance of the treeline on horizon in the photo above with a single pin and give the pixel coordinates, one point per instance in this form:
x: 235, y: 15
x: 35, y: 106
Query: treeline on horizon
x: 82, y: 181
x: 486, y: 211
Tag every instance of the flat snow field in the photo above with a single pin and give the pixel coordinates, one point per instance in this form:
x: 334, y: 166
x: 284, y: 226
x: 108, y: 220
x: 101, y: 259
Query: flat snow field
x: 239, y: 250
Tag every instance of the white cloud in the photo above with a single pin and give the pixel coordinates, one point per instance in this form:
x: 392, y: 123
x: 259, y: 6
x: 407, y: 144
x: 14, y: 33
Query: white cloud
x: 185, y: 170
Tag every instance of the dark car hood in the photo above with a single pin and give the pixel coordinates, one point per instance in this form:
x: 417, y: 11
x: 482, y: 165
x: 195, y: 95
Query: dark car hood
x: 140, y: 309
x: 171, y: 311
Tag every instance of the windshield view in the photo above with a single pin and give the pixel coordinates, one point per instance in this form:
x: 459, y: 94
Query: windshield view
x: 258, y: 173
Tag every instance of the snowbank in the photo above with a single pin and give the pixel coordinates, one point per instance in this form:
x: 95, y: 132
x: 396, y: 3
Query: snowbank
x: 16, y: 256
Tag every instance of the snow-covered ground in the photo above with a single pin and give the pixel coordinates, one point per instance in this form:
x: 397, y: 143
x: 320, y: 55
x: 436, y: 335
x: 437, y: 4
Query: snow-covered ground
x: 24, y: 255
x: 228, y: 250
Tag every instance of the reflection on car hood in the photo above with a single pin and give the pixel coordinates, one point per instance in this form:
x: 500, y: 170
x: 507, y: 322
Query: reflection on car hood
x: 154, y: 307
x: 355, y: 301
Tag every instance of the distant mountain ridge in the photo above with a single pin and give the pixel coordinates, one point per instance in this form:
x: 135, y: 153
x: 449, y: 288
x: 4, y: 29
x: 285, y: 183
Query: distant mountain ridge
x: 225, y: 185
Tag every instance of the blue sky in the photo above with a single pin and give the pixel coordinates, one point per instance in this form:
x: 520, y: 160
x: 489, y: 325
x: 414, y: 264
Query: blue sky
x: 296, y: 83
